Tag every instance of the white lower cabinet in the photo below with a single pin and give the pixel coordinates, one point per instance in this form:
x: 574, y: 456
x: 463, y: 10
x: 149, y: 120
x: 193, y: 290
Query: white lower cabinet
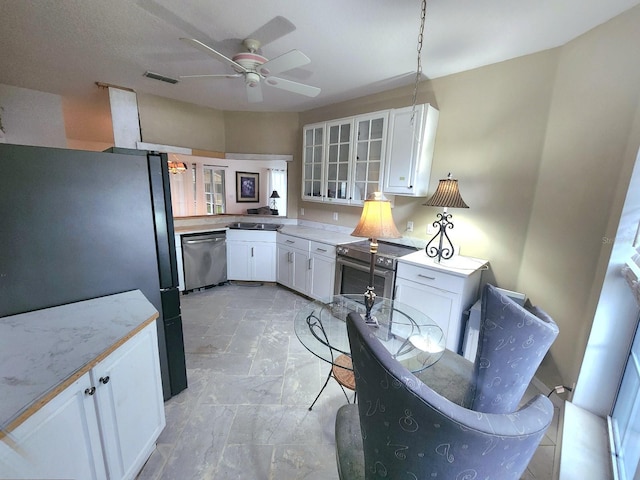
x: 103, y: 426
x: 306, y: 266
x: 251, y: 255
x: 323, y: 266
x: 441, y: 291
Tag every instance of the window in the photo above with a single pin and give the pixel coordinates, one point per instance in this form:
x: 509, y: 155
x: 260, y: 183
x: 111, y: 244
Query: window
x: 278, y: 182
x: 625, y: 418
x: 214, y: 193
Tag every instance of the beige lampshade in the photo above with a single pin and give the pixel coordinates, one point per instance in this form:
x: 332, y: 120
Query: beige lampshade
x: 447, y: 195
x: 376, y: 220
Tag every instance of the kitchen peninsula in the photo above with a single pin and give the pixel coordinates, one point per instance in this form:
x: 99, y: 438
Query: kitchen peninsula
x: 81, y: 389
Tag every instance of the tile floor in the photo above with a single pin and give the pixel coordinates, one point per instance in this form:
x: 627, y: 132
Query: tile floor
x: 245, y: 414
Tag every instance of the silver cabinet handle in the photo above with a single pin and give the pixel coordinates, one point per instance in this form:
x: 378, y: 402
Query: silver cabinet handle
x: 90, y: 391
x: 426, y: 276
x: 290, y: 257
x: 104, y: 380
x: 252, y: 251
x: 289, y: 241
x: 310, y: 260
x: 321, y: 249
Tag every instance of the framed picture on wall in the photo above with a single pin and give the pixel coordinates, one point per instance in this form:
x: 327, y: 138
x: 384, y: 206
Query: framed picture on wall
x: 247, y: 187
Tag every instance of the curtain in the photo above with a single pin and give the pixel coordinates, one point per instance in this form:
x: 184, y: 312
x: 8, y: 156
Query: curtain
x: 278, y: 182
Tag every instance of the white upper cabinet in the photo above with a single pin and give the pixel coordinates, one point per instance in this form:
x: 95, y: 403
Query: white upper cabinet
x: 343, y: 159
x: 410, y: 150
x: 313, y: 161
x: 338, y: 161
x: 370, y: 144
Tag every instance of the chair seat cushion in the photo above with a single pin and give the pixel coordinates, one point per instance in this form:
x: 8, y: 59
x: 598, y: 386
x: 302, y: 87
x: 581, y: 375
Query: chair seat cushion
x: 349, y: 449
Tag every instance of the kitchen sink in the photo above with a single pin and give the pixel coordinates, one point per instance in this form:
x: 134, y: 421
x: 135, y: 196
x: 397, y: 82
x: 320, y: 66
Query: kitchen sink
x: 254, y: 226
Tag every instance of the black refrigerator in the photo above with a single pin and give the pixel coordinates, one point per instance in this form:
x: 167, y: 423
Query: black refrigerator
x: 77, y: 225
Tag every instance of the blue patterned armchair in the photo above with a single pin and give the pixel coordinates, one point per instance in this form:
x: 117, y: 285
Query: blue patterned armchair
x: 513, y: 341
x: 402, y: 429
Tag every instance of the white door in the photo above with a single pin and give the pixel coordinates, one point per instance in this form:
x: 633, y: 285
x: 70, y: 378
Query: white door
x: 322, y: 277
x: 238, y: 261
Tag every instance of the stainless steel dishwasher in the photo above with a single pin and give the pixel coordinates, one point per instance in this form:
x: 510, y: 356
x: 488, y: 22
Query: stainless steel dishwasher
x: 205, y: 259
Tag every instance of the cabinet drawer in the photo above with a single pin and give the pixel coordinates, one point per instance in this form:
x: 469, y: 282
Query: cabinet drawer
x: 433, y: 278
x: 319, y: 248
x: 293, y: 242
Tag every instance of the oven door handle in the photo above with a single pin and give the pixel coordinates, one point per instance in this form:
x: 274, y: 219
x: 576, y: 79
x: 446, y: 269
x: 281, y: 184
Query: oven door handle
x: 365, y: 268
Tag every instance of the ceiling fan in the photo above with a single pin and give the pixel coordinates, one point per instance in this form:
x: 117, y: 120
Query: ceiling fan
x: 255, y: 68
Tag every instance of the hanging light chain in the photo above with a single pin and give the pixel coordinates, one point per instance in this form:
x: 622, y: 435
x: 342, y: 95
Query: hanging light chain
x: 423, y: 16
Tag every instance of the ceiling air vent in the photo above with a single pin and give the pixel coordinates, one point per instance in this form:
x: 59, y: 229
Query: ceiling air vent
x: 162, y: 78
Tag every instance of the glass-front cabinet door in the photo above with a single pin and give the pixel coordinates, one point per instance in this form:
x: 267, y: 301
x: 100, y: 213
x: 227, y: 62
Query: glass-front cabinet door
x: 370, y: 146
x: 337, y: 173
x: 313, y: 153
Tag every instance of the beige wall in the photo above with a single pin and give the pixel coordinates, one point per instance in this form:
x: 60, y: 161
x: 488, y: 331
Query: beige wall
x: 587, y: 144
x: 170, y: 122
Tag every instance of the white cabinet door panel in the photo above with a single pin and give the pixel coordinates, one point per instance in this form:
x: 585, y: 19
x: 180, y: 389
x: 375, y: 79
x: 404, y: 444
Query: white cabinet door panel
x: 439, y: 305
x: 61, y: 440
x: 129, y: 403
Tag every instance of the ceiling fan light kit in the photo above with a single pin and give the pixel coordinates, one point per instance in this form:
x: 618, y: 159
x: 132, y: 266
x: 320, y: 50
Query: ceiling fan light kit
x: 255, y: 68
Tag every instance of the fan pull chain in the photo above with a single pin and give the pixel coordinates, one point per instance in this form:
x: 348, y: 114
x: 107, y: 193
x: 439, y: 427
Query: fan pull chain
x: 423, y: 16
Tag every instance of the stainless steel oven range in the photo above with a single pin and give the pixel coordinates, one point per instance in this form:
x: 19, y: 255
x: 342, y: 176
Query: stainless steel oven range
x: 353, y: 262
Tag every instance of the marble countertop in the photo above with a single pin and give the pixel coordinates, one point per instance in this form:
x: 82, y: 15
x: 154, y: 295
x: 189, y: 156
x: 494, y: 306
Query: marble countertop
x: 44, y: 351
x: 329, y: 237
x: 457, y: 265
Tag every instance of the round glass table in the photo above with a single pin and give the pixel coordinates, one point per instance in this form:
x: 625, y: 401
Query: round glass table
x: 411, y: 337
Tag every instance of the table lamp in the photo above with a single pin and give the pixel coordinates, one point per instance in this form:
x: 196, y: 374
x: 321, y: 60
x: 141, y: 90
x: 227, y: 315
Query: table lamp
x: 447, y: 195
x: 274, y: 207
x: 375, y: 222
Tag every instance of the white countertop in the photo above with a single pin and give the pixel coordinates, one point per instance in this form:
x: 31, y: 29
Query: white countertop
x: 457, y: 265
x: 330, y: 237
x: 44, y: 351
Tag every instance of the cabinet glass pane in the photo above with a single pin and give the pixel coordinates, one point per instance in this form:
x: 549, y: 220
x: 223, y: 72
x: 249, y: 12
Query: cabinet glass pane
x: 362, y: 152
x: 332, y: 171
x: 308, y: 154
x: 361, y: 172
x: 343, y: 171
x: 375, y: 150
x: 317, y: 171
x: 307, y: 188
x: 317, y: 154
x: 359, y: 192
x: 377, y: 127
x: 363, y: 130
x: 374, y: 170
x: 331, y: 189
x: 333, y: 134
x: 318, y: 135
x: 344, y: 153
x: 342, y: 190
x: 333, y: 153
x: 345, y: 133
x: 316, y: 189
x: 308, y: 170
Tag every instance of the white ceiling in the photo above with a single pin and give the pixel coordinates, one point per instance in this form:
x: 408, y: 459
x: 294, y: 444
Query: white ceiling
x: 357, y: 47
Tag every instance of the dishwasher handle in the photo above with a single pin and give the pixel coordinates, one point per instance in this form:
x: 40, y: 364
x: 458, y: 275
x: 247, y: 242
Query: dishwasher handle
x: 204, y: 240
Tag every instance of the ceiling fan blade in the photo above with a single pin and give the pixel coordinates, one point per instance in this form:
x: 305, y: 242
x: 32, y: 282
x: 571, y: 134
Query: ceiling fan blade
x: 157, y: 10
x: 286, y: 61
x: 294, y: 87
x: 254, y: 94
x: 212, y: 76
x: 272, y: 30
x: 212, y: 53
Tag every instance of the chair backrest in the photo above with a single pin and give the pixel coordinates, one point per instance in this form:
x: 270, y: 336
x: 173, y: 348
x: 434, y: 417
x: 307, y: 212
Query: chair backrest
x: 512, y: 342
x: 410, y: 431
